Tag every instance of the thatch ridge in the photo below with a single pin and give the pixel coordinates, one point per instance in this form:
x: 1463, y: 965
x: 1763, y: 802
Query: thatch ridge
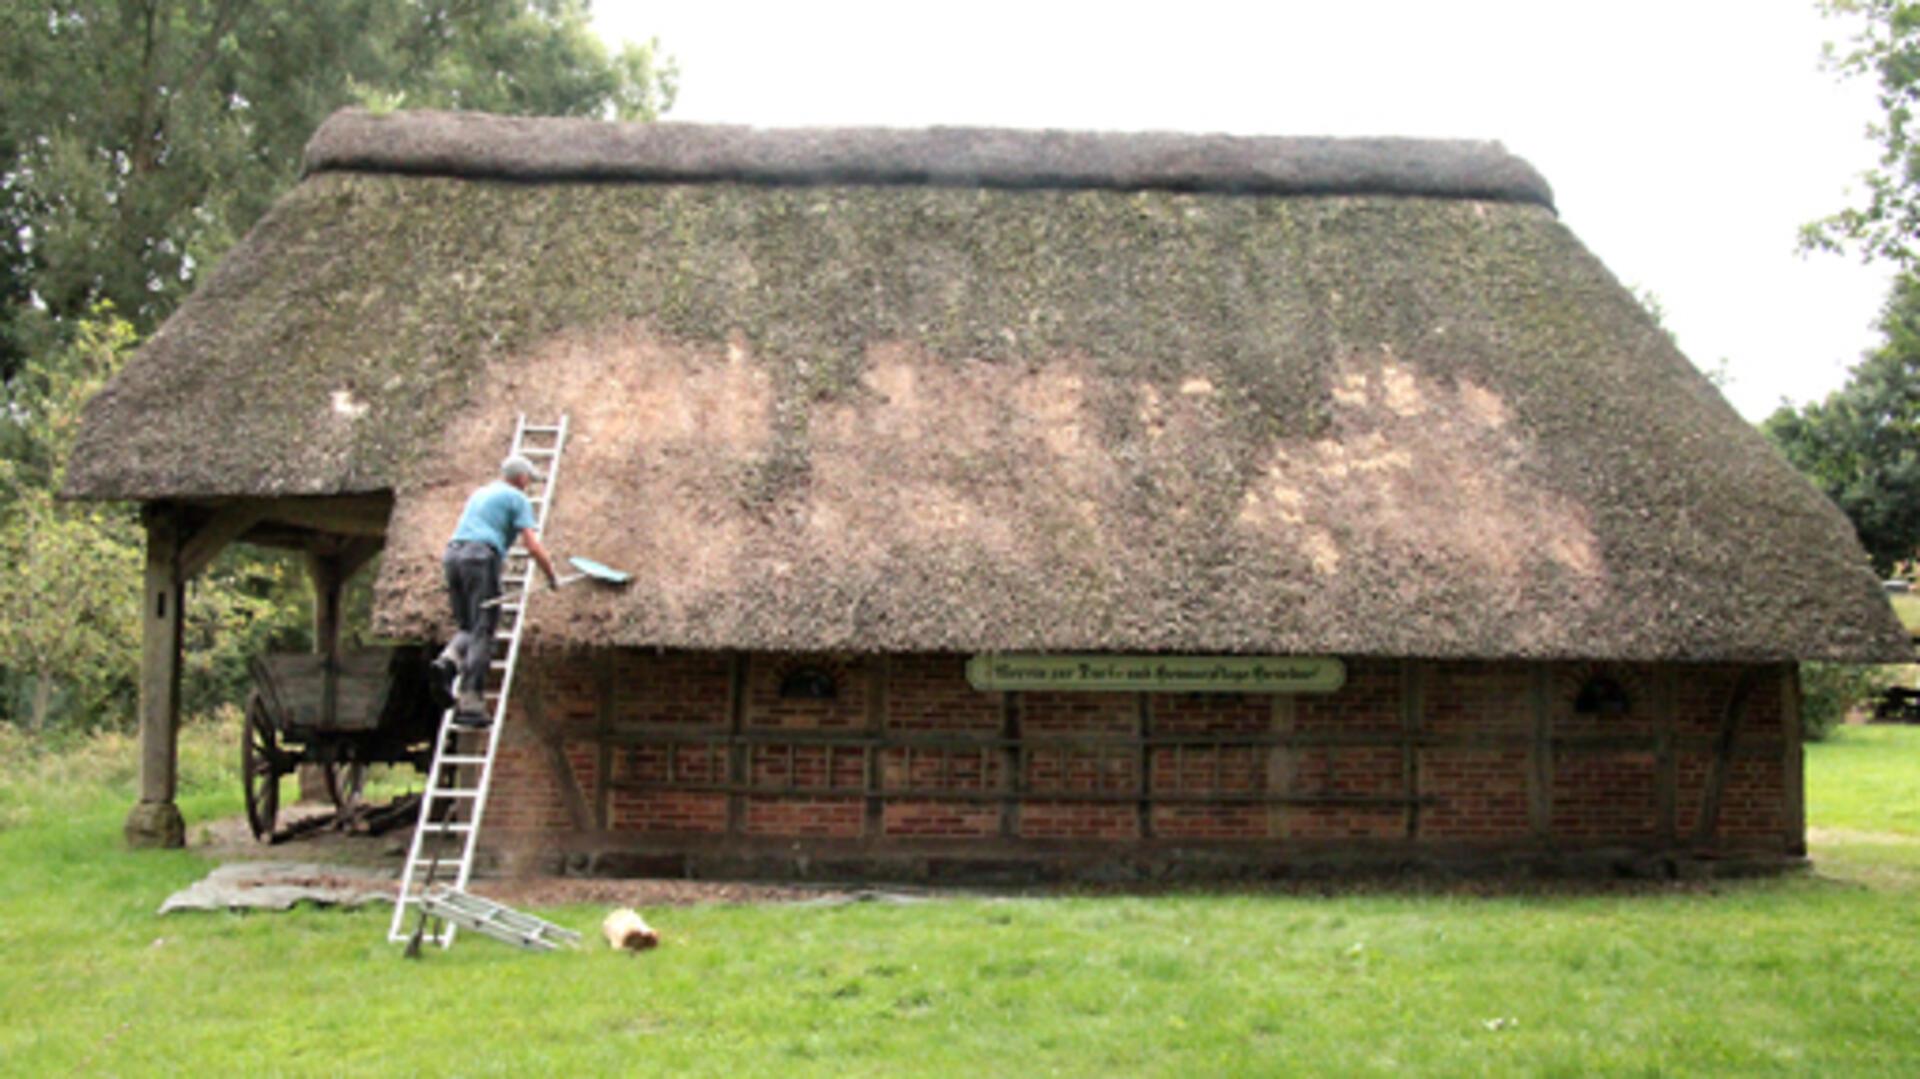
x: 534, y: 150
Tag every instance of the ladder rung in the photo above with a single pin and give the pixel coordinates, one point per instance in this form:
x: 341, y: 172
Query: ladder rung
x: 462, y: 759
x: 539, y: 429
x: 538, y: 451
x: 453, y: 827
x: 453, y: 792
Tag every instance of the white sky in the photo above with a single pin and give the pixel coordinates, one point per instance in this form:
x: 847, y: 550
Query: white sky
x: 1686, y: 140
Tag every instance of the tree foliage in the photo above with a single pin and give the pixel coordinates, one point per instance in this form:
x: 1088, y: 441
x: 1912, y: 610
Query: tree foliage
x: 1861, y: 445
x: 140, y: 138
x: 1885, y: 48
x: 68, y: 574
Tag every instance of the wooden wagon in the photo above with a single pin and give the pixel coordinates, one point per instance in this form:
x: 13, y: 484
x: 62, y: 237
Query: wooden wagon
x: 368, y: 706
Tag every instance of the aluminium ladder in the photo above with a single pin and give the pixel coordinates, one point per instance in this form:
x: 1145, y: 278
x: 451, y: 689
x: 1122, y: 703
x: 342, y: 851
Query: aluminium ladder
x: 496, y: 920
x: 462, y: 769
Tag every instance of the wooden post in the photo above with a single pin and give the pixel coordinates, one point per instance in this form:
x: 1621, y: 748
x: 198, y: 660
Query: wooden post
x: 155, y: 821
x: 1280, y: 762
x: 1013, y: 780
x: 1540, y: 757
x: 739, y: 762
x: 324, y: 569
x: 1144, y: 762
x: 603, y: 683
x: 1666, y: 705
x: 1721, y: 763
x: 1794, y: 777
x: 1412, y: 705
x: 879, y: 671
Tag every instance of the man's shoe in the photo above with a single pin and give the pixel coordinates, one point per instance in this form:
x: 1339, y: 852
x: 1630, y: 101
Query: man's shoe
x: 471, y: 711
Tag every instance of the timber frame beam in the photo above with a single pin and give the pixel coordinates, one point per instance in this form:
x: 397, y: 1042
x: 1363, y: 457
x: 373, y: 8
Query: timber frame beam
x: 340, y: 534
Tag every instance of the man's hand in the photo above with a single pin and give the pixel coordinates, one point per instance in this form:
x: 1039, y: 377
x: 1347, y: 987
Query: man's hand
x: 531, y: 540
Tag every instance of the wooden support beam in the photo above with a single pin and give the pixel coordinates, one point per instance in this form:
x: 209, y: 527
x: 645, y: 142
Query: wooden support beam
x: 1666, y: 789
x: 1412, y: 707
x: 1143, y: 760
x: 739, y: 759
x: 533, y: 706
x: 204, y: 543
x: 155, y: 821
x: 878, y: 670
x: 339, y: 515
x: 327, y: 572
x: 329, y: 583
x: 1013, y: 761
x: 357, y: 552
x: 1540, y: 755
x: 1794, y: 762
x: 1722, y: 760
x: 603, y: 679
x: 1281, y: 761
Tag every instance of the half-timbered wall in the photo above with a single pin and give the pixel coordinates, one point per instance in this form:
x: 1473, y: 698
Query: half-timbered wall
x: 629, y: 761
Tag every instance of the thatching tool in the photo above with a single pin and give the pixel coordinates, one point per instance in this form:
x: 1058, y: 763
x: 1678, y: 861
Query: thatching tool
x: 589, y: 571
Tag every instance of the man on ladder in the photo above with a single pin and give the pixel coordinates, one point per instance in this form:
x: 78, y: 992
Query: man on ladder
x: 495, y: 516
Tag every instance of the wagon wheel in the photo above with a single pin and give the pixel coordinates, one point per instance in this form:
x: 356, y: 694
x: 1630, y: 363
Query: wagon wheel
x: 345, y: 782
x: 260, y: 768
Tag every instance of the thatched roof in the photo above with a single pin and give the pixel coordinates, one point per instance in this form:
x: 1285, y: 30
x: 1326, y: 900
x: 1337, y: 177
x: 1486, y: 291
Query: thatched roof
x: 995, y: 390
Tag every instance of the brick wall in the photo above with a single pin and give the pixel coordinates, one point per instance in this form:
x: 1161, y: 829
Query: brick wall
x: 704, y: 750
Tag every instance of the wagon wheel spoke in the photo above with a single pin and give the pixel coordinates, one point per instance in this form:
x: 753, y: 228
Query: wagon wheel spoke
x: 261, y: 767
x: 346, y: 781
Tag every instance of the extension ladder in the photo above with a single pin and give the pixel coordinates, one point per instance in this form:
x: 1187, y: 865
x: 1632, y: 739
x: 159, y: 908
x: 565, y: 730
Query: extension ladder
x: 462, y: 769
x: 496, y: 920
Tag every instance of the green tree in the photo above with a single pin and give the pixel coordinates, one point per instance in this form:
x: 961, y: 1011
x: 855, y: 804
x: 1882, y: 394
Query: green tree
x: 1861, y: 445
x: 140, y: 138
x: 1885, y: 48
x: 68, y: 574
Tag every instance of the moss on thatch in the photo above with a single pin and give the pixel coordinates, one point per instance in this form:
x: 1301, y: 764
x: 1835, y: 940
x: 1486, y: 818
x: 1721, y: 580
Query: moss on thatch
x: 917, y: 415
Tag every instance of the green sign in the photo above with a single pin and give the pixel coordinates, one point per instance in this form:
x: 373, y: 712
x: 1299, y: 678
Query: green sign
x: 1163, y: 674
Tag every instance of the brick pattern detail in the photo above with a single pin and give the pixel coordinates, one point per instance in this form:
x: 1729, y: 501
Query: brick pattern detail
x: 1355, y: 771
x: 1370, y: 701
x: 1085, y: 744
x: 1753, y: 800
x: 929, y: 696
x: 825, y: 818
x: 1079, y: 769
x: 526, y: 795
x: 1482, y: 794
x: 1604, y: 795
x: 930, y: 693
x: 1479, y: 698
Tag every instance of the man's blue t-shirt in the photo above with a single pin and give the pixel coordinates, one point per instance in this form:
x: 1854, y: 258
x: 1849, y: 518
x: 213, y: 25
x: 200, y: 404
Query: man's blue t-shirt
x: 495, y: 515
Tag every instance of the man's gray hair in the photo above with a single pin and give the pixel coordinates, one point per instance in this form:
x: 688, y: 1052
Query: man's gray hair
x: 517, y: 466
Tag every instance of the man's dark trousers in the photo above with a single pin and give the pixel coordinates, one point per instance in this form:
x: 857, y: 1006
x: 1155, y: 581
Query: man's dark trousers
x: 473, y: 578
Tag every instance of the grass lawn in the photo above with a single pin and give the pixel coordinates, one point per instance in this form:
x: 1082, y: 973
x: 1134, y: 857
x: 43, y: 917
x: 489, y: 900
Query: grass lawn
x: 1906, y: 607
x: 1808, y: 975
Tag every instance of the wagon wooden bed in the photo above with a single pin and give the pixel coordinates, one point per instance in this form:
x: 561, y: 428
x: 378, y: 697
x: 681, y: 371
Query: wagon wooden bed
x: 369, y: 706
